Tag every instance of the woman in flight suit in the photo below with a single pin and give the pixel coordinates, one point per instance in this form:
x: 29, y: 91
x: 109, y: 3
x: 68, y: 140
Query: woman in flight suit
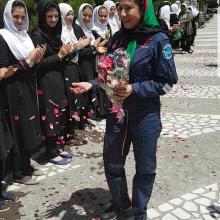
x: 152, y: 73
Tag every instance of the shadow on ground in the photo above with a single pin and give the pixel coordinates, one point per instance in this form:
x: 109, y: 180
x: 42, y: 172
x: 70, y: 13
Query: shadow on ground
x: 85, y: 204
x: 13, y: 212
x: 214, y: 211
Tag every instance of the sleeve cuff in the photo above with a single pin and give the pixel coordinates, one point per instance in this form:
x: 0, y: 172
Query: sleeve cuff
x: 135, y: 88
x: 95, y: 84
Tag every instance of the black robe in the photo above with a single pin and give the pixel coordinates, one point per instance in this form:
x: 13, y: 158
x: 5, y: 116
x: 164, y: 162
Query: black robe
x: 5, y: 136
x: 87, y: 61
x: 51, y: 88
x: 20, y: 101
x: 72, y: 73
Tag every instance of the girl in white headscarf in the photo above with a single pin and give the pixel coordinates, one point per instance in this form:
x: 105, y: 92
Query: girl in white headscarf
x: 114, y: 20
x: 195, y: 13
x: 87, y: 59
x: 71, y: 67
x: 101, y: 22
x: 176, y: 7
x: 86, y: 21
x: 19, y: 90
x: 88, y: 25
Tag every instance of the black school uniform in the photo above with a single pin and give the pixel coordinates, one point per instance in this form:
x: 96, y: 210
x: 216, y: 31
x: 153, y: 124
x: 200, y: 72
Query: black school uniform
x: 20, y: 103
x: 5, y: 143
x: 51, y: 89
x: 50, y: 79
x: 87, y: 61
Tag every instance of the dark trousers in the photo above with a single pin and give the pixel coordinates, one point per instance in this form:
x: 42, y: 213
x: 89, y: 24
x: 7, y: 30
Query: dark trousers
x: 143, y: 134
x: 51, y: 147
x: 21, y: 163
x: 2, y: 171
x: 185, y: 42
x: 194, y: 31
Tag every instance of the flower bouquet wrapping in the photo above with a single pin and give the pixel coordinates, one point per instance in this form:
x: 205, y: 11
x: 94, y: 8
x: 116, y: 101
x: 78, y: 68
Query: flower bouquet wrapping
x: 113, y: 72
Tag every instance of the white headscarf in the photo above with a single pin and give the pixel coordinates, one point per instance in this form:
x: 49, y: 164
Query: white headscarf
x: 194, y: 9
x: 165, y: 14
x: 99, y: 27
x: 114, y: 22
x: 175, y: 8
x: 87, y: 28
x: 18, y: 41
x: 67, y: 35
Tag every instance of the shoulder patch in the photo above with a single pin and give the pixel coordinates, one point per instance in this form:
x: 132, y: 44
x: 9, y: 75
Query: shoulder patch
x: 167, y: 51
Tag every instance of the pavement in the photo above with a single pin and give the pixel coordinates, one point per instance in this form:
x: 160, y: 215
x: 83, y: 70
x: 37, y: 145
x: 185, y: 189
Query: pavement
x: 187, y: 184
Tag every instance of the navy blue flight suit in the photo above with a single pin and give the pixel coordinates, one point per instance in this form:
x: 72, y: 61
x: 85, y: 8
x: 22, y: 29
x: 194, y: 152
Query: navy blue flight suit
x: 152, y: 73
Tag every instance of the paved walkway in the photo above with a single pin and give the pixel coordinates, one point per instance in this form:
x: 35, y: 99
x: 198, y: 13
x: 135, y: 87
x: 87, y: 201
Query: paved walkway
x: 188, y: 171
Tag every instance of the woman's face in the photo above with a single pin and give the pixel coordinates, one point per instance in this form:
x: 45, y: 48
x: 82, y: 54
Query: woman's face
x: 130, y: 14
x: 182, y: 8
x: 69, y: 18
x: 103, y: 14
x: 18, y: 17
x: 87, y: 15
x: 112, y: 11
x: 52, y: 17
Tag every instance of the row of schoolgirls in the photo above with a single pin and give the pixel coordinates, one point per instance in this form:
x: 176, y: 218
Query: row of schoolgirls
x: 179, y: 21
x: 36, y: 73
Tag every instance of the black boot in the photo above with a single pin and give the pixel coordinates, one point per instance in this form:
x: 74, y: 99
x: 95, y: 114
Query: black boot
x: 113, y: 211
x: 142, y: 217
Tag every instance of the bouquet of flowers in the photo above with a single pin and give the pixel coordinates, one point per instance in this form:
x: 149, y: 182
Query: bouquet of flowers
x: 112, y: 73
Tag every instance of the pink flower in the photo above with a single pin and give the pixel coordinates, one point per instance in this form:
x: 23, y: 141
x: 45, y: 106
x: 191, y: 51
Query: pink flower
x: 75, y: 116
x: 113, y: 72
x: 40, y: 92
x: 119, y: 112
x: 186, y: 156
x: 51, y: 126
x: 56, y: 111
x: 90, y: 114
x: 16, y: 117
x: 43, y: 117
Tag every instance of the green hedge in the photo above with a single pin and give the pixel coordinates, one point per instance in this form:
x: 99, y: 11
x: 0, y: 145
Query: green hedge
x: 74, y: 3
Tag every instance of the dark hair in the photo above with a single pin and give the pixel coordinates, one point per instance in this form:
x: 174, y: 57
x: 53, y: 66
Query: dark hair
x: 18, y: 3
x: 87, y: 6
x: 140, y: 3
x: 102, y: 7
x: 51, y: 5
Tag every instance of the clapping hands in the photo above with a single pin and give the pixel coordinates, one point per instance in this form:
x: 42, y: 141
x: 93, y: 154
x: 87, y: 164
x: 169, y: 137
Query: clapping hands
x: 36, y: 55
x: 6, y: 72
x: 81, y: 87
x: 83, y: 42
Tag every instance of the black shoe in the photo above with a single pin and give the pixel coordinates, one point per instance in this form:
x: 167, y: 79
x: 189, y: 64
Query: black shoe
x: 190, y: 51
x: 143, y: 217
x: 113, y: 212
x: 4, y: 206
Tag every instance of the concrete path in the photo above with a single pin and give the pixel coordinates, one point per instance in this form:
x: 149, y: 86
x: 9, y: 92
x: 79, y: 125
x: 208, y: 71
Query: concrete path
x: 188, y: 173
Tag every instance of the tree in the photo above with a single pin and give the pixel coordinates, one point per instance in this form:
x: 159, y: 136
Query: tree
x: 74, y: 3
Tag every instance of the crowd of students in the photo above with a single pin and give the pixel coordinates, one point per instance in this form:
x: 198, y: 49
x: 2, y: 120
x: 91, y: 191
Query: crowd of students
x: 178, y: 20
x: 36, y: 72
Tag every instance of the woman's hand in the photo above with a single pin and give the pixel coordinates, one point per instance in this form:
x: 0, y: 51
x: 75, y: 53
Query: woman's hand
x: 81, y: 87
x: 32, y: 57
x: 83, y: 42
x: 107, y: 35
x: 6, y: 72
x: 101, y: 50
x: 65, y: 50
x: 41, y: 52
x: 122, y: 92
x: 97, y: 41
x: 36, y: 55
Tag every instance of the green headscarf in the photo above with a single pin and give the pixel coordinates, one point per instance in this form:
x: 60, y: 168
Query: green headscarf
x: 149, y: 25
